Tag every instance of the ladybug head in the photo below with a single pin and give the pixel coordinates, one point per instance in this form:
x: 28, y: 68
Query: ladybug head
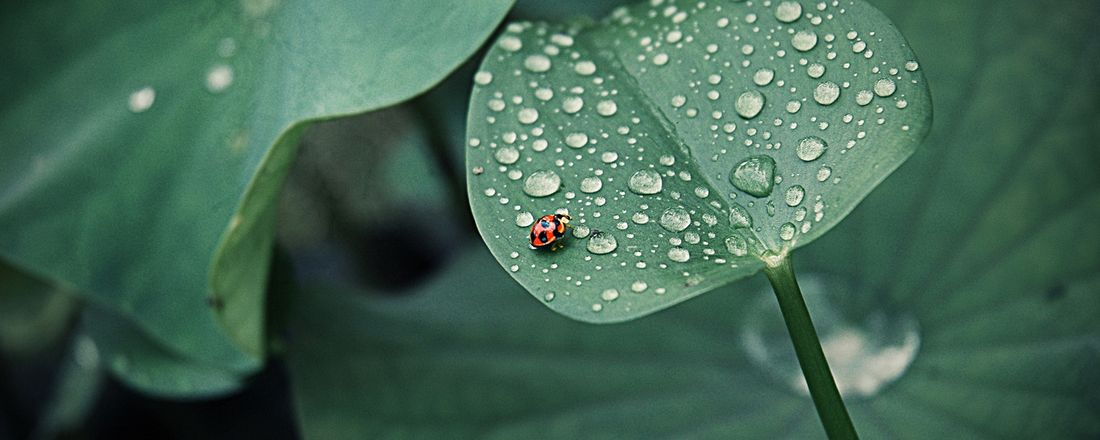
x: 564, y: 218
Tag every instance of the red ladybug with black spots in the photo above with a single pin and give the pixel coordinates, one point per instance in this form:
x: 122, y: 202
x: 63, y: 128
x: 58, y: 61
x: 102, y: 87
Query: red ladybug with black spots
x: 549, y: 231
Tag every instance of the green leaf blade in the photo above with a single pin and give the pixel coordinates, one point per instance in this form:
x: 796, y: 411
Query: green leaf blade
x: 690, y: 114
x: 142, y: 156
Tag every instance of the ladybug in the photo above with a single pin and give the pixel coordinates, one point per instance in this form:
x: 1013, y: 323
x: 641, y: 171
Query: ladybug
x: 548, y: 230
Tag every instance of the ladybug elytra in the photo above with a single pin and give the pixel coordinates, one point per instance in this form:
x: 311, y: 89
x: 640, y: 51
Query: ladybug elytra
x: 548, y: 230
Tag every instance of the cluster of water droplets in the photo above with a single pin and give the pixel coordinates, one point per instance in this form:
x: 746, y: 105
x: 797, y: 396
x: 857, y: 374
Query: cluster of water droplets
x: 561, y: 135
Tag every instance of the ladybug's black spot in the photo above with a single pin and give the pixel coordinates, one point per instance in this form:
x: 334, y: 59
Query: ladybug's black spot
x: 542, y: 236
x: 532, y: 236
x: 558, y: 232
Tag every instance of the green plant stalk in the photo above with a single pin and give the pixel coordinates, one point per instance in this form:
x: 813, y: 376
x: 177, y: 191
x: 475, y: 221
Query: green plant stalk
x: 826, y: 397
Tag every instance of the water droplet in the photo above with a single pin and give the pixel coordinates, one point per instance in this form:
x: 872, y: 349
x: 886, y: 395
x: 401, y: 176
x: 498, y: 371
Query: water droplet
x: 142, y: 99
x: 581, y: 231
x: 815, y: 70
x: 788, y: 11
x: 585, y: 68
x: 609, y: 295
x: 524, y: 219
x: 804, y: 40
x: 678, y: 101
x: 601, y: 243
x: 754, y: 175
x: 737, y: 245
x: 483, y: 78
x: 810, y: 148
x: 885, y: 87
x: 739, y: 216
x: 609, y: 157
x: 510, y: 43
x: 749, y: 104
x: 572, y: 104
x: 794, y: 195
x: 675, y: 219
x: 824, y: 173
x: 786, y: 231
x: 548, y: 297
x: 763, y: 76
x: 597, y: 307
x: 219, y: 78
x: 864, y: 97
x: 506, y: 155
x: 537, y: 63
x: 542, y: 183
x: 679, y: 254
x: 591, y: 184
x: 576, y: 140
x: 606, y: 108
x: 912, y: 66
x: 826, y: 93
x: 645, y: 182
x: 527, y: 116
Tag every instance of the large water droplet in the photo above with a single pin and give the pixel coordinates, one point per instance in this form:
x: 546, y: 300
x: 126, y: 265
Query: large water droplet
x: 826, y: 93
x: 602, y: 243
x: 885, y: 87
x: 804, y: 40
x: 754, y: 175
x: 542, y: 183
x: 506, y: 155
x: 609, y: 295
x: 794, y: 195
x: 675, y: 219
x: 788, y: 11
x: 739, y: 216
x: 527, y: 116
x: 576, y: 140
x: 572, y: 104
x: 786, y: 231
x: 763, y: 76
x: 537, y: 63
x: 645, y: 182
x: 737, y: 246
x: 679, y: 254
x: 810, y: 148
x: 591, y: 184
x: 524, y: 219
x: 749, y: 104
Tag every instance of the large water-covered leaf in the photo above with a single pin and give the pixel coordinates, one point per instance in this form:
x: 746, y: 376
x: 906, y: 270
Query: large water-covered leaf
x: 144, y: 143
x: 689, y: 141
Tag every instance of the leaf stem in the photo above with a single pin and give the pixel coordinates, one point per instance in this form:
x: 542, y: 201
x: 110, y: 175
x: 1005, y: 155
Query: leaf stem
x: 830, y: 407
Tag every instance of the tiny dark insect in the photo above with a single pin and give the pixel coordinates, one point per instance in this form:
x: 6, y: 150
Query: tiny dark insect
x: 549, y: 230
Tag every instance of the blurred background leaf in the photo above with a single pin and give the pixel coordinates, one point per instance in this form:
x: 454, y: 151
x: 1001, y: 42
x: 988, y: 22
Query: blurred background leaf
x: 145, y: 144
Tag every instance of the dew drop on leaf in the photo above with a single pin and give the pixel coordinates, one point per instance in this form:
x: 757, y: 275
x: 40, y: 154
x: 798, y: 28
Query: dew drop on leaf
x: 645, y: 182
x: 524, y: 219
x: 739, y: 216
x: 810, y: 148
x: 675, y: 219
x: 804, y: 40
x: 826, y: 93
x: 602, y: 243
x: 885, y: 87
x: 737, y: 246
x: 788, y: 11
x: 542, y: 183
x: 794, y: 195
x: 749, y: 104
x: 754, y: 175
x: 679, y: 255
x: 591, y: 184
